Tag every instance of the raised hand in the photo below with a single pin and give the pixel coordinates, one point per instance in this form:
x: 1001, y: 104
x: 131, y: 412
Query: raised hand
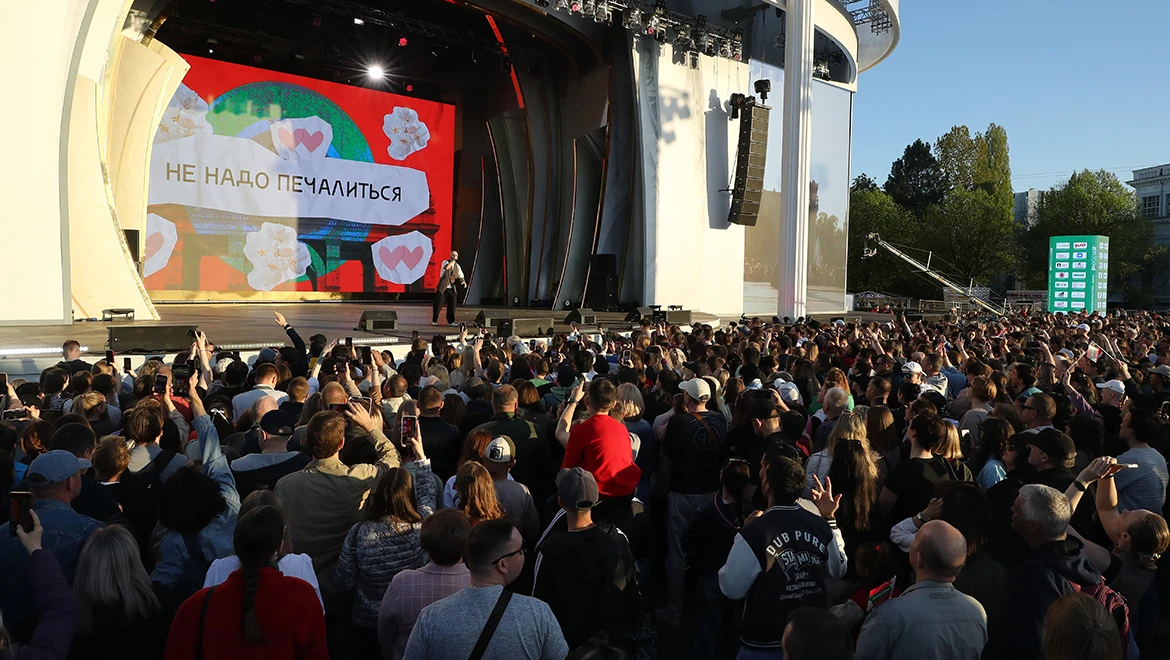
x: 280, y: 320
x: 822, y: 497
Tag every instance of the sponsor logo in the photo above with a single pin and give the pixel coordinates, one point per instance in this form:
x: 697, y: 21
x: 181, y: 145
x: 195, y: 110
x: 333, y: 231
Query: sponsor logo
x: 1060, y: 304
x: 1079, y: 285
x: 1080, y: 276
x: 1080, y: 265
x: 1061, y: 285
x: 1062, y: 276
x: 1080, y: 246
x: 1062, y: 246
x: 1062, y: 255
x: 1078, y: 294
x: 1062, y: 294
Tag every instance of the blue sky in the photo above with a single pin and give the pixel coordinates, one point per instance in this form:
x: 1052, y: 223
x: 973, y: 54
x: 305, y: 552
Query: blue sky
x: 1077, y: 84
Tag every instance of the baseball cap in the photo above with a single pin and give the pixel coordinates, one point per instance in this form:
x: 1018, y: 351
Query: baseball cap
x: 577, y: 489
x: 498, y: 454
x: 278, y: 422
x: 1161, y: 370
x: 789, y: 392
x: 912, y: 368
x: 697, y: 388
x: 223, y: 364
x: 1027, y: 393
x: 266, y: 355
x: 1060, y: 448
x: 1115, y: 385
x: 1084, y: 326
x: 53, y: 467
x: 765, y: 410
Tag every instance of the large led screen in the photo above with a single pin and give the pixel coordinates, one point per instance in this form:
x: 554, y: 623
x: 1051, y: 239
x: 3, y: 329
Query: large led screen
x: 262, y: 181
x: 832, y: 118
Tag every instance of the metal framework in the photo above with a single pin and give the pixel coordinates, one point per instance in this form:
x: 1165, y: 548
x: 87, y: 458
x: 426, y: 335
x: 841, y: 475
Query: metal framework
x: 869, y: 11
x: 873, y: 241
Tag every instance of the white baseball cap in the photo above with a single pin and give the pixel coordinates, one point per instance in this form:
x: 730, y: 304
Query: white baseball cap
x: 697, y: 388
x: 912, y: 368
x: 1115, y: 385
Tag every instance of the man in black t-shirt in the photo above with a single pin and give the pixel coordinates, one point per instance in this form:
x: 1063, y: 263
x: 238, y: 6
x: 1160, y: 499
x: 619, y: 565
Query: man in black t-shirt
x: 910, y: 485
x: 694, y: 446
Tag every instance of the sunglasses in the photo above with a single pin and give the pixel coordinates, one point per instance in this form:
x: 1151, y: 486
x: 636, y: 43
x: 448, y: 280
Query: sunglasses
x: 519, y: 551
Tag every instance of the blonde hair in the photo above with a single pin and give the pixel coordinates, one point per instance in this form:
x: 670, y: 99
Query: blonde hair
x: 89, y: 401
x: 110, y: 574
x: 439, y: 371
x: 850, y: 426
x: 949, y: 446
x: 629, y: 400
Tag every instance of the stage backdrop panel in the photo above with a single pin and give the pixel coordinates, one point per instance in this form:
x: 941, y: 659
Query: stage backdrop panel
x: 267, y: 182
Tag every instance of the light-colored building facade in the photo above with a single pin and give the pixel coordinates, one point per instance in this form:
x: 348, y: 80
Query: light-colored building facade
x: 1026, y: 205
x: 1152, y: 189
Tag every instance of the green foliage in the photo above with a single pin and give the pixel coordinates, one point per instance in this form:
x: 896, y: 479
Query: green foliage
x: 979, y: 162
x: 873, y: 211
x: 863, y: 182
x: 1093, y: 203
x: 973, y: 233
x: 916, y: 180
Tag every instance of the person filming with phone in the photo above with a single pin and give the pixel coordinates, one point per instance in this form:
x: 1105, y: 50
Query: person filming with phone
x: 450, y: 281
x: 54, y: 481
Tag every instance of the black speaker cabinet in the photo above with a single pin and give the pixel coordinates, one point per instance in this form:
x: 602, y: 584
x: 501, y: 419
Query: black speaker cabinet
x: 523, y: 327
x: 748, y: 188
x: 150, y: 338
x: 582, y: 316
x: 678, y: 317
x: 639, y: 313
x: 378, y: 320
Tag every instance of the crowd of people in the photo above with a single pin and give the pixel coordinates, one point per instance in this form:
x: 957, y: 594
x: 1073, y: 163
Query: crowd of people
x: 967, y: 488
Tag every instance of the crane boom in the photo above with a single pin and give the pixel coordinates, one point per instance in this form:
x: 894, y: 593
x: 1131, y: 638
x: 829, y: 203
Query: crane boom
x: 873, y: 239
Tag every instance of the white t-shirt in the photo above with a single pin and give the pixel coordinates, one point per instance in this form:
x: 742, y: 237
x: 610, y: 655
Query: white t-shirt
x: 298, y: 566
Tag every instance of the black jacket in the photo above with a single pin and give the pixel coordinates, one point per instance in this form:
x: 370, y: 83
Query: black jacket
x: 95, y: 500
x: 442, y: 443
x: 265, y: 478
x: 707, y: 541
x: 1042, y: 578
x: 587, y: 578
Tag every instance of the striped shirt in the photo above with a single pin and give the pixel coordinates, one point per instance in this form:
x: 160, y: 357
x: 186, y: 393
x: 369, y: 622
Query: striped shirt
x: 409, y: 592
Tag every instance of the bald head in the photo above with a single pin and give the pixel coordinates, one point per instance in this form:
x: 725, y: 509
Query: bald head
x: 939, y: 552
x: 263, y: 405
x: 333, y: 394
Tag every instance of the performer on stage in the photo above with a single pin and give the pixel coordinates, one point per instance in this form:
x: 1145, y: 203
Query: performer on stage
x: 450, y: 280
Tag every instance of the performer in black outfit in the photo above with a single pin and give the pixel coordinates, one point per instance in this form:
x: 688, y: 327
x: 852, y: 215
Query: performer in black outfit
x: 450, y: 281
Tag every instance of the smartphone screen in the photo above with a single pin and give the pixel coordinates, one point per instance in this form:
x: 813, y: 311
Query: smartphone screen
x: 160, y: 384
x: 349, y: 342
x: 9, y: 415
x: 626, y: 355
x: 364, y: 402
x: 3, y: 383
x: 366, y: 357
x: 409, y: 424
x: 110, y: 358
x: 339, y: 407
x: 22, y: 503
x: 180, y: 377
x: 126, y: 364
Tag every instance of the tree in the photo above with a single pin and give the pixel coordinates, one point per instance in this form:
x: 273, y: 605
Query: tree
x: 1094, y: 203
x: 915, y: 180
x: 863, y: 182
x: 873, y: 211
x: 973, y: 234
x: 956, y: 152
x: 979, y: 162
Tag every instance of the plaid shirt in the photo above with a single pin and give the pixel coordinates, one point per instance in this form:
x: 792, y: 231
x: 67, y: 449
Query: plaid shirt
x: 409, y: 592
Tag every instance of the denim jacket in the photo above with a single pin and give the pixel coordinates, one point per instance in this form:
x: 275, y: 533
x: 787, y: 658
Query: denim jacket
x: 66, y: 531
x: 216, y: 539
x: 929, y: 620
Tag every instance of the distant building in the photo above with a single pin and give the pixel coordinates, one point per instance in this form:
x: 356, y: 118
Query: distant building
x: 1152, y: 186
x: 1026, y: 206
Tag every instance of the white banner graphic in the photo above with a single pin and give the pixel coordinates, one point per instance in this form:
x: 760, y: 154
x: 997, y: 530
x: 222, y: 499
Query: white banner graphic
x: 242, y: 176
x: 402, y: 259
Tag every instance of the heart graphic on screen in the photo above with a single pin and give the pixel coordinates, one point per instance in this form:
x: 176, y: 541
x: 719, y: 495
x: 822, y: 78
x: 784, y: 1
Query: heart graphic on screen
x: 301, y: 136
x: 402, y: 258
x: 400, y: 254
x: 154, y: 242
x: 161, y: 239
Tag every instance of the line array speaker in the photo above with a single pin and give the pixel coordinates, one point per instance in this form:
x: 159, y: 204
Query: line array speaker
x: 751, y: 153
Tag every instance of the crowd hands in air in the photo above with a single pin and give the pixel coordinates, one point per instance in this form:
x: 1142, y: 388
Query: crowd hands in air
x: 971, y: 487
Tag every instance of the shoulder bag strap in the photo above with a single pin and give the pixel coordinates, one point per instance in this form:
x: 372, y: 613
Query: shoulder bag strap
x: 202, y: 621
x: 489, y: 629
x: 710, y: 434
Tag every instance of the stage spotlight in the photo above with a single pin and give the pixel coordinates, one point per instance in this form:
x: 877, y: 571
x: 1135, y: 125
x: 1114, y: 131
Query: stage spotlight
x: 682, y: 38
x: 210, y: 51
x: 632, y: 20
x: 602, y: 14
x: 588, y: 8
x: 358, y: 21
x: 654, y: 25
x: 410, y: 88
x: 543, y: 3
x: 402, y: 41
x: 256, y: 58
x: 763, y: 86
x: 574, y: 6
x: 725, y: 50
x: 375, y: 72
x: 316, y: 21
x: 562, y: 5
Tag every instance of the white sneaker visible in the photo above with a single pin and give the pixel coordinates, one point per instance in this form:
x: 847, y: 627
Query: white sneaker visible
x: 434, y: 323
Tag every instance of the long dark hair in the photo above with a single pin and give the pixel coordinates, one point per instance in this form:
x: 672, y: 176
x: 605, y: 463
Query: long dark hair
x: 735, y: 478
x: 258, y: 537
x: 393, y: 498
x: 995, y: 436
x: 854, y: 474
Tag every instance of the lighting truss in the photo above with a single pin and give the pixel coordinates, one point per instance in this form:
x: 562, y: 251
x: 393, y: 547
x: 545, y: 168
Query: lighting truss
x: 654, y: 21
x: 869, y: 11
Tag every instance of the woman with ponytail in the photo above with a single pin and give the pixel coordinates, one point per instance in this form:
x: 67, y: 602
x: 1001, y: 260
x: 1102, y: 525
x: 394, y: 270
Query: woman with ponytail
x: 257, y: 612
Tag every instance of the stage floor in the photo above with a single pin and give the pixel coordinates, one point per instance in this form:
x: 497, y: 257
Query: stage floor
x: 251, y: 323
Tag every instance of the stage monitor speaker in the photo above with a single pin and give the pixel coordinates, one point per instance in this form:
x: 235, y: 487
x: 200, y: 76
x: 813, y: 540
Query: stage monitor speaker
x: 490, y: 319
x: 524, y: 327
x: 150, y: 338
x: 748, y: 188
x: 639, y: 313
x: 678, y: 317
x: 378, y: 320
x: 582, y: 316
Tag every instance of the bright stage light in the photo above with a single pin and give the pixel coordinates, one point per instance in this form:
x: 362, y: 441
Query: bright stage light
x: 402, y: 41
x: 358, y: 21
x: 375, y: 72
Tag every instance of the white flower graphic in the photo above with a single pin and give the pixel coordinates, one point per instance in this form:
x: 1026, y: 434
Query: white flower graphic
x: 276, y: 256
x: 185, y: 116
x: 407, y: 134
x: 402, y: 259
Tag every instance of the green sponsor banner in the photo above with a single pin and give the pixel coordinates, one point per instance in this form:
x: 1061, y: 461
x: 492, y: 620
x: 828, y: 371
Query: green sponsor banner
x: 1078, y: 273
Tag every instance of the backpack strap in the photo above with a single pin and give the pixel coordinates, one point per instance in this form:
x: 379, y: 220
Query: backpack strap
x: 710, y: 434
x: 155, y: 468
x: 202, y: 621
x: 493, y: 622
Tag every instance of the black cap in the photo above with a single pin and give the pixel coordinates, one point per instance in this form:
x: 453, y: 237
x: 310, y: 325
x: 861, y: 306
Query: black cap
x: 278, y: 422
x: 765, y: 409
x: 1061, y: 449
